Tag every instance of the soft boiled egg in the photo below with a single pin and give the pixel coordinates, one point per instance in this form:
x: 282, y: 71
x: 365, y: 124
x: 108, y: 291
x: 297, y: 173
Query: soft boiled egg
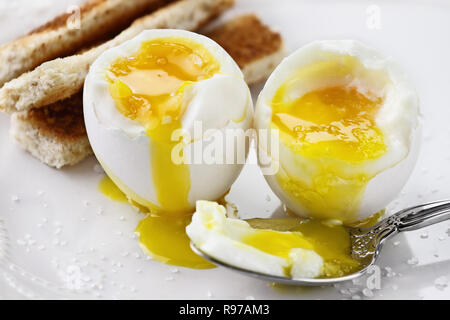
x: 348, y: 133
x: 295, y: 248
x: 143, y: 104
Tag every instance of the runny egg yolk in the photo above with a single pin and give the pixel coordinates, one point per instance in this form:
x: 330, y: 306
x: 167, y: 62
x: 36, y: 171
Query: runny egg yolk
x: 331, y: 242
x: 149, y: 87
x: 334, y: 131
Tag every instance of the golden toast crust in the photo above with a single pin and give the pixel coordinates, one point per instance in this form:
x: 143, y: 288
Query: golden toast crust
x: 247, y: 39
x: 100, y: 20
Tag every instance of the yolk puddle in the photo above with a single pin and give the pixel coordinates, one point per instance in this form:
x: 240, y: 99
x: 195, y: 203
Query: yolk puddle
x: 331, y: 242
x: 164, y: 238
x: 149, y: 87
x: 334, y: 131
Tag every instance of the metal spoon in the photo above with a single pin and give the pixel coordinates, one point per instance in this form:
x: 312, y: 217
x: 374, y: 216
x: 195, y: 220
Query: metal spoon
x: 366, y: 242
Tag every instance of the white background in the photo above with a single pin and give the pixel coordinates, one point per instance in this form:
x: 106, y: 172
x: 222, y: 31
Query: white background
x: 55, y: 238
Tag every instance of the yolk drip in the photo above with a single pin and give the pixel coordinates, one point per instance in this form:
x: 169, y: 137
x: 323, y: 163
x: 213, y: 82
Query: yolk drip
x: 110, y: 190
x: 332, y: 243
x: 149, y: 87
x: 334, y: 131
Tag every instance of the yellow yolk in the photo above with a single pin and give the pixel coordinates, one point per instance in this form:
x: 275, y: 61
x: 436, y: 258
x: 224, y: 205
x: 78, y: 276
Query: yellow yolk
x: 334, y: 131
x: 332, y: 243
x: 149, y: 88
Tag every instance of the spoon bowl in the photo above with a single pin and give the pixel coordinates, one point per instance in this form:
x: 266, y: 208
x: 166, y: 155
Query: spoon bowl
x: 366, y: 243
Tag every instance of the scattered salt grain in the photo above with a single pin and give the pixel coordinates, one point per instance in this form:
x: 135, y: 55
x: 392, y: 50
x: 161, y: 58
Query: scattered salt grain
x: 441, y: 283
x: 413, y: 261
x: 389, y: 272
x: 424, y: 235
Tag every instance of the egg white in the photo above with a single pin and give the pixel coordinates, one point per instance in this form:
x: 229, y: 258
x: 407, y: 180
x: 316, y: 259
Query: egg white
x: 398, y: 119
x: 122, y: 145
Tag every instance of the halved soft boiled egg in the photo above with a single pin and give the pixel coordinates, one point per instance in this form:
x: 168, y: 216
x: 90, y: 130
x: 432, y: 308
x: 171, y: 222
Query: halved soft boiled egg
x: 348, y: 131
x: 296, y: 248
x: 142, y: 102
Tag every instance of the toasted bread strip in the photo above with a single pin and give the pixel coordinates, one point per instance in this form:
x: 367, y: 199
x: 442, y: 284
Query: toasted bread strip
x: 56, y: 134
x: 256, y: 48
x: 97, y: 20
x: 61, y: 78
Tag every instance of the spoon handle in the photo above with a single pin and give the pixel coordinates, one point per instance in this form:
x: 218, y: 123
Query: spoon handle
x: 366, y: 241
x: 422, y: 216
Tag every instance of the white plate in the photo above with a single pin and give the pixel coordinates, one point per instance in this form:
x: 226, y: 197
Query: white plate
x: 59, y: 245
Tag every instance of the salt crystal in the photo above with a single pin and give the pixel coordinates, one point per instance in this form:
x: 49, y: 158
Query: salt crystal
x: 424, y: 235
x: 15, y: 198
x: 389, y: 272
x: 413, y: 261
x: 441, y: 283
